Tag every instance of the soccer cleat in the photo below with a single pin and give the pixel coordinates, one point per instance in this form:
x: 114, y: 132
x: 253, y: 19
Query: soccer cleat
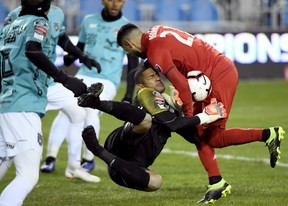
x: 273, y: 144
x: 80, y: 173
x: 215, y: 191
x: 88, y: 165
x: 49, y: 165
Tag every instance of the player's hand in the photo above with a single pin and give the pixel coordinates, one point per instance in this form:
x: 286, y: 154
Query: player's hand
x: 90, y: 139
x: 175, y: 95
x: 72, y: 83
x: 68, y: 59
x: 88, y: 100
x: 89, y: 62
x: 91, y: 97
x: 215, y: 110
x: 212, y: 112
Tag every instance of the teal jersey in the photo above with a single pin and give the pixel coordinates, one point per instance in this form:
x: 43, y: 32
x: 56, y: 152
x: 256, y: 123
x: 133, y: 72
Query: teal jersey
x: 100, y: 38
x: 57, y: 28
x: 23, y: 85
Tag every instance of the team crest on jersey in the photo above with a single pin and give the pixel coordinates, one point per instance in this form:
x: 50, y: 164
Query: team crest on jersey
x: 40, y: 29
x: 159, y: 99
x: 56, y: 26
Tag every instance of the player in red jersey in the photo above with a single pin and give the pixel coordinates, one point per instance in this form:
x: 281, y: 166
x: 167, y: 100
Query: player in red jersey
x: 174, y: 53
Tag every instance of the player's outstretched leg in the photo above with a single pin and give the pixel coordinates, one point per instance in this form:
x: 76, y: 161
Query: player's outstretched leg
x: 49, y: 165
x: 273, y: 144
x: 215, y: 191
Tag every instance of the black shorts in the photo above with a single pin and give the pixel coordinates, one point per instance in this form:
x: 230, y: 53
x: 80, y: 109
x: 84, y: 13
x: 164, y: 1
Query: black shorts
x: 141, y: 150
x: 121, y: 142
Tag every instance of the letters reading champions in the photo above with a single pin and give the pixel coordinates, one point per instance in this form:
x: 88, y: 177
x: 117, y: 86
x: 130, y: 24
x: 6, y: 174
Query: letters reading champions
x: 243, y: 48
x: 248, y: 48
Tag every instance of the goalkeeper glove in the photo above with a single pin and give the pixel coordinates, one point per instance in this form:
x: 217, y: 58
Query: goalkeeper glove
x: 175, y: 94
x: 212, y: 112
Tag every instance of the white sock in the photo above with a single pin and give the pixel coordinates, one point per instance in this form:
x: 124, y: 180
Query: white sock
x: 94, y: 120
x: 57, y: 134
x: 74, y: 141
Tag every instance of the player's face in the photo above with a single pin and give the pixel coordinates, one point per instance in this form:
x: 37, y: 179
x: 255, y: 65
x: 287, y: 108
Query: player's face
x: 151, y: 79
x: 134, y: 51
x: 113, y: 7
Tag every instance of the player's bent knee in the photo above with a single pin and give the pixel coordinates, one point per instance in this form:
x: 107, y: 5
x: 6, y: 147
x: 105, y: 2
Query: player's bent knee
x: 155, y: 182
x: 75, y: 114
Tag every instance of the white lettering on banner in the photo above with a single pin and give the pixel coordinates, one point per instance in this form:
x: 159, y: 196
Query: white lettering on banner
x: 243, y: 48
x: 248, y: 48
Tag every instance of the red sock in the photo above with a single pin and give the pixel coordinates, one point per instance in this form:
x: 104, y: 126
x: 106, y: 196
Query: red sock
x: 208, y: 159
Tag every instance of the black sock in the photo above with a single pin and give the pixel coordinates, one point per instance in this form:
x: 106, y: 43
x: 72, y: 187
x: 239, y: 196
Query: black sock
x: 214, y: 179
x: 104, y: 155
x: 265, y: 135
x: 123, y: 111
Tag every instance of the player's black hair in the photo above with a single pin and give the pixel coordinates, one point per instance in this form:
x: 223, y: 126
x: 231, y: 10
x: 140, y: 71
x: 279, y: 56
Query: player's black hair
x: 123, y: 31
x: 140, y: 69
x: 35, y: 7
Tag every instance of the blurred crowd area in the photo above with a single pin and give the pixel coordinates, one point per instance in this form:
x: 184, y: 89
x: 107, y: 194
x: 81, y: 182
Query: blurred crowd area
x: 190, y: 15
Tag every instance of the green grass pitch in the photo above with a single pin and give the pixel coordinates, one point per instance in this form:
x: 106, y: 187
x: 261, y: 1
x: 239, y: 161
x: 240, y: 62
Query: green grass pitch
x: 257, y: 104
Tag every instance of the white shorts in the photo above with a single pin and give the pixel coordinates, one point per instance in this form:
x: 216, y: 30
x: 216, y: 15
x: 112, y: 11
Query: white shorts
x: 20, y: 131
x: 58, y: 97
x: 109, y: 91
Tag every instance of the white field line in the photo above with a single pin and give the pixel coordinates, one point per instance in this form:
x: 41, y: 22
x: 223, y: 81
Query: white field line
x: 226, y: 156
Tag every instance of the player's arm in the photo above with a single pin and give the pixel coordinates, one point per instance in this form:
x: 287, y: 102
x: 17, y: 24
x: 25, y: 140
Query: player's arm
x: 75, y: 52
x: 181, y: 84
x: 133, y: 62
x: 33, y: 51
x: 211, y: 113
x: 137, y: 119
x: 69, y: 58
x: 167, y: 67
x: 154, y: 103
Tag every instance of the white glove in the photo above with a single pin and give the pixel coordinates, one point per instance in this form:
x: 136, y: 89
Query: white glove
x: 212, y: 112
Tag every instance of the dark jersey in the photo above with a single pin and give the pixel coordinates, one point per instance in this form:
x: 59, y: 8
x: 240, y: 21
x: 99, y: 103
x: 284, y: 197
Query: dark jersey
x: 143, y: 149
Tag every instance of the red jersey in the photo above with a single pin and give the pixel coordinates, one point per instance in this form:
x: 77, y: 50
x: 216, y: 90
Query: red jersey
x: 174, y: 53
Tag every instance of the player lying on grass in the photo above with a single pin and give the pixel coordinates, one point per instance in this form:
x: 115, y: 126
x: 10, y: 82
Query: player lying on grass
x: 271, y: 136
x: 140, y: 135
x: 130, y: 149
